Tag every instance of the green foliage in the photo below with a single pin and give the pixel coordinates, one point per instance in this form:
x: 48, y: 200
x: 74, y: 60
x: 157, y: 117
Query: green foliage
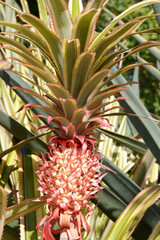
x: 149, y: 86
x: 73, y: 63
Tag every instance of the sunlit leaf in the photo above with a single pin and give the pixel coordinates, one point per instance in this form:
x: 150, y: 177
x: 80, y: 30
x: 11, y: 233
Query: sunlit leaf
x: 60, y: 17
x: 133, y: 144
x: 90, y: 86
x: 75, y: 8
x: 131, y: 9
x: 129, y: 219
x: 81, y: 71
x: 22, y: 208
x: 50, y: 38
x: 83, y: 28
x: 70, y: 52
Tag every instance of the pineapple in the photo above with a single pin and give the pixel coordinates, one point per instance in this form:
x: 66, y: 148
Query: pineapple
x: 73, y: 62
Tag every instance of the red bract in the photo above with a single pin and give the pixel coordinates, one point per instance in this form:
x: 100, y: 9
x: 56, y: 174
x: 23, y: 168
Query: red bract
x: 69, y: 177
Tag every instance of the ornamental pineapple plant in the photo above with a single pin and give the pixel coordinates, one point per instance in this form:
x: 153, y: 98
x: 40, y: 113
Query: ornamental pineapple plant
x: 72, y: 64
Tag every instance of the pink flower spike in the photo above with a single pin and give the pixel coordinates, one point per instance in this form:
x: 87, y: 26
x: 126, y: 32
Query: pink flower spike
x: 69, y: 178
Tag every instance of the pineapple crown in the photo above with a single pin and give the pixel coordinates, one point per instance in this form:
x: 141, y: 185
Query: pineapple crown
x: 73, y: 63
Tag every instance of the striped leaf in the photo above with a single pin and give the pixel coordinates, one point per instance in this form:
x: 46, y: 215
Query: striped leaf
x: 70, y: 52
x: 83, y: 28
x: 22, y: 208
x: 81, y: 71
x: 75, y: 8
x: 129, y: 219
x: 131, y: 143
x: 90, y: 85
x: 131, y: 9
x: 51, y: 39
x: 60, y: 18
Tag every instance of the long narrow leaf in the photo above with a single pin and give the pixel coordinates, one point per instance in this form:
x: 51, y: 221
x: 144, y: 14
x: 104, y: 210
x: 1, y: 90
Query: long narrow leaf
x: 148, y: 129
x: 22, y: 208
x: 119, y: 17
x: 131, y: 143
x: 75, y: 8
x: 83, y: 28
x: 129, y: 219
x: 12, y: 125
x: 61, y: 18
x: 51, y: 39
x: 126, y: 190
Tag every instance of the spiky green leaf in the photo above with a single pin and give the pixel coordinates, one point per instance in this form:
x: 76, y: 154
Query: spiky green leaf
x: 60, y: 18
x: 51, y: 39
x: 70, y: 52
x: 90, y: 85
x: 75, y: 8
x: 81, y: 72
x: 83, y: 28
x: 131, y: 143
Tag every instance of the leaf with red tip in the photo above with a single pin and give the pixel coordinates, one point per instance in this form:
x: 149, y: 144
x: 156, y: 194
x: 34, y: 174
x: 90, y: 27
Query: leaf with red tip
x: 52, y: 41
x: 49, y: 119
x: 70, y: 130
x: 101, y: 96
x: 142, y: 46
x: 33, y: 94
x: 49, y: 110
x: 97, y: 109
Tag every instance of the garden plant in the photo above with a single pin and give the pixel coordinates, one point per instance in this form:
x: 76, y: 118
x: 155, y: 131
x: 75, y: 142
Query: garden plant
x: 79, y: 150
